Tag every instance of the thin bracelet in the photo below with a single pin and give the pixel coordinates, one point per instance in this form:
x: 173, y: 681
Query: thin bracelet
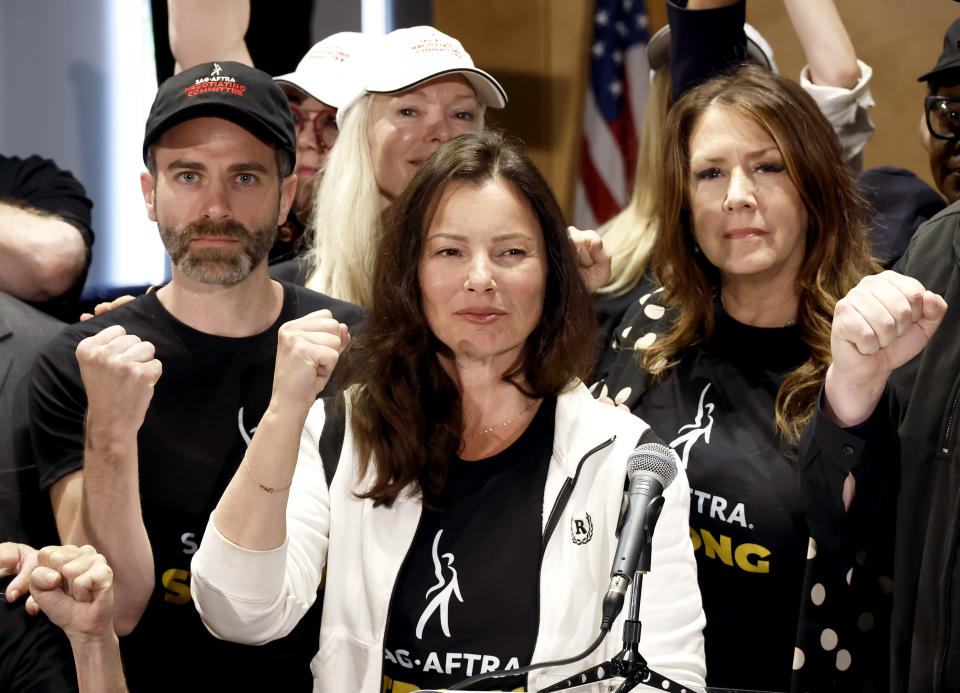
x: 268, y: 489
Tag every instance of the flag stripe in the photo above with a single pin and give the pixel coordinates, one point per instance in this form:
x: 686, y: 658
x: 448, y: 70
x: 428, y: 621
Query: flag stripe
x: 617, y: 93
x: 584, y: 218
x: 606, y: 152
x: 602, y: 203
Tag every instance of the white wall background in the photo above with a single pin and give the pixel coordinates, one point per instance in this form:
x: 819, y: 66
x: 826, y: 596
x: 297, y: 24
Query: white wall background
x: 77, y: 79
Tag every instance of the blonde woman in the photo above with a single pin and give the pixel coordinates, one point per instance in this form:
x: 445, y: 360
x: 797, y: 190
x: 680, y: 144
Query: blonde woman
x: 421, y: 88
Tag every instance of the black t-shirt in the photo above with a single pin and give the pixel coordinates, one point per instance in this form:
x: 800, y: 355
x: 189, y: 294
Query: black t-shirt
x: 205, y: 407
x: 716, y: 408
x: 293, y: 270
x: 38, y: 182
x: 450, y: 615
x: 35, y: 655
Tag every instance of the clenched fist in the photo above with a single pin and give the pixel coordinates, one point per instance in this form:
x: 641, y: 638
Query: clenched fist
x: 119, y: 373
x: 593, y: 260
x: 73, y: 586
x: 882, y: 323
x: 307, y: 352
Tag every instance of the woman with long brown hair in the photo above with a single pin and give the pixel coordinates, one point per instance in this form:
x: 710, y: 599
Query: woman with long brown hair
x: 762, y: 231
x: 707, y: 32
x: 467, y: 517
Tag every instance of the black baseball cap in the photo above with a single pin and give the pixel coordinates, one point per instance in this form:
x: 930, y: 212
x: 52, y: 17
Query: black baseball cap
x: 233, y: 91
x: 948, y: 66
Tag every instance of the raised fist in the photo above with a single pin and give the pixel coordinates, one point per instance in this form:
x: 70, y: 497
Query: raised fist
x: 307, y: 352
x: 73, y: 586
x: 593, y: 260
x: 882, y: 323
x: 119, y: 372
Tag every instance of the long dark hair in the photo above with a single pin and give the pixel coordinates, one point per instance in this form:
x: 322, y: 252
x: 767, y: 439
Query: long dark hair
x: 407, y: 417
x: 837, y: 251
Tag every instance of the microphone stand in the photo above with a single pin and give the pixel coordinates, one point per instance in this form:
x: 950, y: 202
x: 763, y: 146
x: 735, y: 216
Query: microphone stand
x: 628, y: 663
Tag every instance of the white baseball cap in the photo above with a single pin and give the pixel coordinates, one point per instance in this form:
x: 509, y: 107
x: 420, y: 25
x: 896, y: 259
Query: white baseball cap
x: 406, y: 58
x: 332, y: 70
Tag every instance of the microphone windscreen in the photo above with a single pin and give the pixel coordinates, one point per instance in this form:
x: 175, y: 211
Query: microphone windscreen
x: 655, y: 459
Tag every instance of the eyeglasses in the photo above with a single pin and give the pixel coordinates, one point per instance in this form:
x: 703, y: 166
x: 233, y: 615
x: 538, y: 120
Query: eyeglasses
x: 324, y: 124
x: 943, y: 117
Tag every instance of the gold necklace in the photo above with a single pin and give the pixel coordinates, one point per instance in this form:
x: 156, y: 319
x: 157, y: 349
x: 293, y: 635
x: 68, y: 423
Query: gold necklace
x: 509, y: 421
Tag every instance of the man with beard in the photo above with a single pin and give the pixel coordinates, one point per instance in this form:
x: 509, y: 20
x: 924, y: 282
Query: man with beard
x: 142, y: 415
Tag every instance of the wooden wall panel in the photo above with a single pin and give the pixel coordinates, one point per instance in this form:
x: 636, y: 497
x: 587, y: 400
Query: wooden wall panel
x: 538, y: 50
x: 901, y: 41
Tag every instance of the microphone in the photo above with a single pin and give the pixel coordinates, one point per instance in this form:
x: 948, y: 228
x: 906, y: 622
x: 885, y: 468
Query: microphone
x: 650, y: 469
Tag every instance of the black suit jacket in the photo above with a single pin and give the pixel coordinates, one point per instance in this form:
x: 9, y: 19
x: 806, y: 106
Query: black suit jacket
x: 25, y: 513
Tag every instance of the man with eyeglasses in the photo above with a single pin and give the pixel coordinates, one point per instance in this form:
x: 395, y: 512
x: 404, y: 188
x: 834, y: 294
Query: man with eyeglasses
x: 885, y: 445
x: 940, y: 131
x: 324, y: 79
x: 900, y: 199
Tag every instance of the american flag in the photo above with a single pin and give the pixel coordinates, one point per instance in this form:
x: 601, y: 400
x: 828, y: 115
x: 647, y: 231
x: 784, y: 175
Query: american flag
x: 616, y: 97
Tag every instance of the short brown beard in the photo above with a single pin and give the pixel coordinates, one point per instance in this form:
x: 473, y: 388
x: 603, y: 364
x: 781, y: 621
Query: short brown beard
x: 219, y: 266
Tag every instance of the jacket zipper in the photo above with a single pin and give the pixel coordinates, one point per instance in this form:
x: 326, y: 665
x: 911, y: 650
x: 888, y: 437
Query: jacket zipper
x: 564, y: 495
x: 552, y: 521
x: 953, y: 410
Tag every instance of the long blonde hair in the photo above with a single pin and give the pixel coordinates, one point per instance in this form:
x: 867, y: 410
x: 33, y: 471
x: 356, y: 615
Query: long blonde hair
x: 346, y: 217
x: 629, y: 236
x: 346, y: 214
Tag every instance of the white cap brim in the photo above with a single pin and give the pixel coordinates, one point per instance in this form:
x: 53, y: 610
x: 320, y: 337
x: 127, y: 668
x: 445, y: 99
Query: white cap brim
x: 313, y: 91
x: 488, y: 90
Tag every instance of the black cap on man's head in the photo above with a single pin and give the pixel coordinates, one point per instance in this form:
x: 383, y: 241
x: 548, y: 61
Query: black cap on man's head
x: 947, y: 69
x: 241, y: 94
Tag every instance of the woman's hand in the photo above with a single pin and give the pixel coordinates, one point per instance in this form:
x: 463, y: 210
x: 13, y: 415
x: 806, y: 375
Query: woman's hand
x: 307, y: 352
x: 882, y: 323
x: 607, y: 400
x: 107, y: 306
x: 593, y: 260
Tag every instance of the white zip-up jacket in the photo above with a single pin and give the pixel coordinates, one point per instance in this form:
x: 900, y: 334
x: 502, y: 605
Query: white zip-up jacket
x: 257, y: 596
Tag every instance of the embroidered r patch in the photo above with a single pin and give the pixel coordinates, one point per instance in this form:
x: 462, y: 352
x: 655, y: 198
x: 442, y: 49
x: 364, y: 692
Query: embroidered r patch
x: 581, y: 528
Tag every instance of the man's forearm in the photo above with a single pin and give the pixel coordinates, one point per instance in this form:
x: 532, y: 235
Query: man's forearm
x: 101, y: 504
x: 111, y: 519
x: 192, y: 41
x: 41, y: 255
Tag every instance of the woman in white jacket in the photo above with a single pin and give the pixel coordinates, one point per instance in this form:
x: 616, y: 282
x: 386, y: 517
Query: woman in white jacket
x: 468, y: 522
